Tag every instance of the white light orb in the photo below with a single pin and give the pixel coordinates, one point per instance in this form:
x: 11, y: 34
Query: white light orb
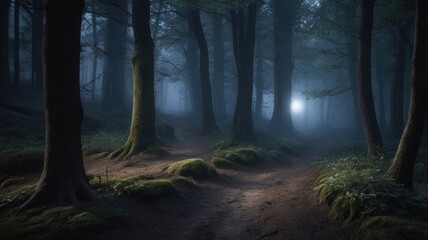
x: 296, y: 106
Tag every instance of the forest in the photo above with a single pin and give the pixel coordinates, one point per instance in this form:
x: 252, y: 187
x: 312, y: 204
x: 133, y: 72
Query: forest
x: 214, y: 119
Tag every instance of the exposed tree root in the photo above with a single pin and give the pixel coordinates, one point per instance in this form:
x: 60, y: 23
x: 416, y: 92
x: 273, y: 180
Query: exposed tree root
x: 130, y: 149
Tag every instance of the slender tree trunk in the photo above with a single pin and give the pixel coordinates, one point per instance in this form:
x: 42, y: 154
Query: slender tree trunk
x: 16, y: 61
x: 95, y: 60
x: 243, y: 29
x: 371, y: 128
x: 396, y: 117
x: 36, y: 46
x: 259, y: 82
x: 192, y: 66
x: 63, y: 179
x: 142, y: 135
x: 403, y: 165
x: 283, y: 40
x: 381, y: 87
x: 209, y: 124
x: 113, y: 86
x: 218, y: 76
x: 4, y: 52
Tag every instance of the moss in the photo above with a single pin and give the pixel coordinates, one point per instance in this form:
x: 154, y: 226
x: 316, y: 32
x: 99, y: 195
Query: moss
x: 194, y: 168
x: 102, y: 142
x: 11, y: 181
x: 142, y: 189
x: 220, y: 162
x: 58, y: 222
x: 182, y: 181
x: 14, y: 161
x: 241, y: 155
x: 388, y: 227
x: 16, y: 197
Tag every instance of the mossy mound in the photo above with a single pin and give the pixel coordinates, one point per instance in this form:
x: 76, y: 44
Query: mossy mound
x: 102, y: 142
x: 388, y: 227
x: 194, y: 168
x: 15, y: 161
x: 219, y: 162
x: 16, y: 197
x: 58, y: 222
x: 141, y: 189
x: 243, y: 155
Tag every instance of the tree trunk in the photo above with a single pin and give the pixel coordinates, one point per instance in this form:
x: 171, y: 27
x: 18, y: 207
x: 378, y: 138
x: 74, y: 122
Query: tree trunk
x: 371, y: 128
x: 36, y: 46
x: 142, y: 136
x: 218, y: 75
x: 209, y: 124
x: 4, y: 52
x: 396, y: 117
x: 259, y: 82
x: 403, y: 165
x: 381, y: 87
x: 192, y: 66
x: 113, y: 86
x: 243, y: 29
x: 283, y: 40
x: 16, y: 47
x: 63, y: 179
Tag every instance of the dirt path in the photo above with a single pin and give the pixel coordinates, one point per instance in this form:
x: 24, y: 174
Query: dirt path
x: 276, y: 201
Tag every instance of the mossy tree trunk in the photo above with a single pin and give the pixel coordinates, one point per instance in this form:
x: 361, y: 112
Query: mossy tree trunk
x: 209, y: 124
x: 243, y: 30
x: 365, y: 92
x: 63, y: 178
x: 403, y: 165
x: 142, y: 135
x: 4, y: 54
x: 36, y: 46
x: 283, y: 70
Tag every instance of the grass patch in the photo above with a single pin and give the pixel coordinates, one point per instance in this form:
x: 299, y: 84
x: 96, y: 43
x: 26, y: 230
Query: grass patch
x: 194, y: 168
x: 16, y: 160
x: 141, y: 189
x: 58, y: 222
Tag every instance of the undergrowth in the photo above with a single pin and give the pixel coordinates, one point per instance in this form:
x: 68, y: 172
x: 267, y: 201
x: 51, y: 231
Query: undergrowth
x: 356, y: 189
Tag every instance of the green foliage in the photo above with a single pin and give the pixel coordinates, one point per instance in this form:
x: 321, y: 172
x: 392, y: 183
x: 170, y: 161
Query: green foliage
x: 388, y: 227
x: 58, y: 222
x: 354, y: 186
x: 17, y: 160
x: 194, y: 168
x: 102, y: 142
x: 220, y: 162
x: 141, y: 189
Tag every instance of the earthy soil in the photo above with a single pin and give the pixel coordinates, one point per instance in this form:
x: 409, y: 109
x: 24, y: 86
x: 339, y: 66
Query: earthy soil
x: 273, y: 200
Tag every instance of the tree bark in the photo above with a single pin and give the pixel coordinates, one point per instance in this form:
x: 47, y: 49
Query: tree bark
x: 259, y: 82
x: 4, y: 54
x: 95, y: 60
x: 63, y: 178
x: 218, y: 75
x: 113, y: 85
x: 209, y: 124
x: 381, y: 90
x: 36, y: 46
x: 16, y: 47
x: 283, y: 40
x: 142, y: 135
x: 243, y: 29
x: 192, y: 67
x: 396, y: 117
x: 403, y: 165
x: 365, y: 92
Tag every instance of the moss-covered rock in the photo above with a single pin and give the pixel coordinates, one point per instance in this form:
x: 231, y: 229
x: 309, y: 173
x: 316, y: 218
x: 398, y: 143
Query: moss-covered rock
x: 194, y: 168
x: 219, y: 162
x: 243, y: 155
x: 58, y: 222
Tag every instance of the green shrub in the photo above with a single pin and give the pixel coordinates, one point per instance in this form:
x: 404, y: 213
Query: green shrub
x: 194, y: 168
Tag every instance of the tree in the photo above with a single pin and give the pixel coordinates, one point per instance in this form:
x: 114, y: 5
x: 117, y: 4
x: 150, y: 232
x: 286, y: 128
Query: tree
x: 243, y: 21
x: 404, y: 161
x: 4, y: 55
x: 16, y: 47
x: 218, y: 66
x: 142, y: 135
x: 113, y: 85
x: 63, y: 179
x: 36, y: 45
x: 284, y: 14
x: 368, y: 114
x: 209, y: 124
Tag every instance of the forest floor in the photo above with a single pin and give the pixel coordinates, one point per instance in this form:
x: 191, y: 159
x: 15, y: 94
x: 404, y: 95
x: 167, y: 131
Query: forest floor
x: 273, y: 200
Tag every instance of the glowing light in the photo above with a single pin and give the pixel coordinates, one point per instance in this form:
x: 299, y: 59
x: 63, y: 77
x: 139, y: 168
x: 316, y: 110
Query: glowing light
x: 296, y: 106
